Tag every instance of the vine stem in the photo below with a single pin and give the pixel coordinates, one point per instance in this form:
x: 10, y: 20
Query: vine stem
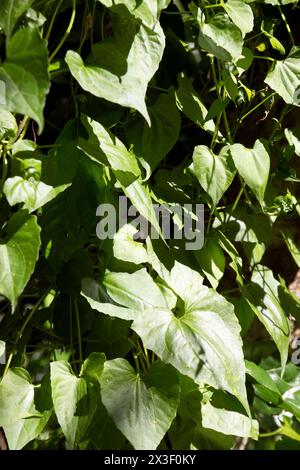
x: 29, y: 317
x: 53, y: 19
x: 179, y: 5
x: 78, y: 332
x: 255, y: 107
x: 4, y: 168
x: 264, y: 57
x: 286, y: 25
x: 67, y: 32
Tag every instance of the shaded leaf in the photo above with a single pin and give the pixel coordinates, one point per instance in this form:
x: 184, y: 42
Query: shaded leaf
x: 284, y: 77
x: 25, y: 74
x: 119, y: 71
x: 215, y: 173
x: 143, y: 408
x: 18, y: 255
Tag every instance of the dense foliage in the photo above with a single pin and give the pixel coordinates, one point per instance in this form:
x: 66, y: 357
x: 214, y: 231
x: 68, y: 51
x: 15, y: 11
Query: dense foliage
x: 135, y: 342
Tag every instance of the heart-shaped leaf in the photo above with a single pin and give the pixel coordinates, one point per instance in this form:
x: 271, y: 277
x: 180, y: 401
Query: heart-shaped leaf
x: 253, y: 165
x: 25, y: 74
x: 284, y: 77
x: 215, y: 173
x: 18, y: 255
x: 143, y: 408
x: 119, y: 71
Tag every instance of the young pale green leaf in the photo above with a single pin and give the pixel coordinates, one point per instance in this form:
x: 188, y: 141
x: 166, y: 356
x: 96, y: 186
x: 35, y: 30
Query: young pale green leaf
x: 18, y: 415
x: 72, y: 402
x: 126, y: 248
x: 241, y: 14
x: 25, y: 74
x: 228, y: 422
x: 8, y: 125
x: 34, y: 194
x: 215, y: 173
x: 143, y: 408
x: 151, y: 144
x: 284, y: 77
x: 253, y: 165
x: 104, y: 147
x: 18, y: 255
x: 220, y: 37
x: 10, y: 12
x: 190, y: 104
x: 265, y: 295
x: 119, y: 71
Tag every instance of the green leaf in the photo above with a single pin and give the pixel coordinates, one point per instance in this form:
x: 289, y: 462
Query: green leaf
x: 211, y: 260
x: 230, y: 84
x: 2, y: 351
x: 216, y: 108
x: 264, y: 295
x: 244, y: 62
x: 10, y: 12
x: 292, y: 246
x: 104, y: 147
x: 119, y: 70
x: 143, y: 408
x: 253, y: 165
x: 140, y: 197
x: 151, y: 144
x: 220, y: 37
x: 73, y: 404
x: 228, y: 422
x: 126, y: 248
x: 147, y: 10
x: 125, y: 289
x: 189, y: 102
x: 278, y: 2
x: 276, y: 44
x: 284, y: 77
x: 241, y: 14
x: 33, y: 193
x: 18, y: 255
x: 25, y: 74
x: 215, y: 173
x: 236, y: 261
x: 293, y: 138
x: 18, y: 414
x: 267, y: 389
x: 183, y: 280
x: 291, y: 401
x: 8, y: 125
x: 202, y: 342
